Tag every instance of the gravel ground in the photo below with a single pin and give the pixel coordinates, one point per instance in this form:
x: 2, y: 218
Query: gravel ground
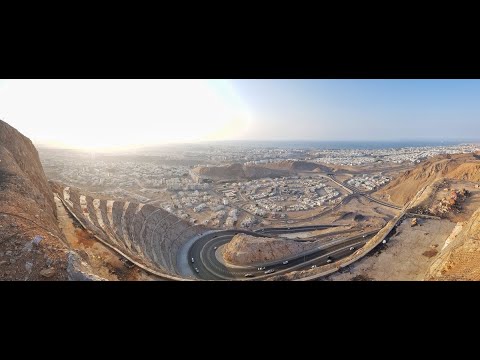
x: 406, y: 256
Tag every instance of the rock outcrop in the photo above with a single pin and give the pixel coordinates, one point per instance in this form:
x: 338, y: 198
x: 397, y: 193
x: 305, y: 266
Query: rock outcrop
x: 451, y: 202
x: 31, y: 244
x: 79, y: 270
x: 460, y: 260
x: 246, y: 249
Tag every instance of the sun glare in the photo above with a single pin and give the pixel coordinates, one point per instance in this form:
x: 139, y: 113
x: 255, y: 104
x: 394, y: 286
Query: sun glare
x: 117, y: 114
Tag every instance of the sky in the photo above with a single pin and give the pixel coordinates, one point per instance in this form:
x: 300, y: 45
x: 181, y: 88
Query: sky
x: 117, y: 114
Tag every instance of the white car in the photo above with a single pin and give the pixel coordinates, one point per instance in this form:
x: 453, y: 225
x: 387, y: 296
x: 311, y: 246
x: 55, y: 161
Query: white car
x: 270, y: 271
x: 249, y: 275
x: 313, y: 266
x: 329, y: 261
x: 352, y: 248
x: 261, y: 268
x: 214, y: 248
x: 285, y: 262
x: 364, y: 236
x: 193, y: 260
x: 196, y: 269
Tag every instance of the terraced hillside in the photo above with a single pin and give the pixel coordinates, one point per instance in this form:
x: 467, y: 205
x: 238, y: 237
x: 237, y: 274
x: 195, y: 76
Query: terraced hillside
x: 146, y: 234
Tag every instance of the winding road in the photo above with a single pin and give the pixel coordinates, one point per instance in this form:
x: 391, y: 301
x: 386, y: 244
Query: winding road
x: 366, y: 194
x: 206, y: 261
x: 205, y: 254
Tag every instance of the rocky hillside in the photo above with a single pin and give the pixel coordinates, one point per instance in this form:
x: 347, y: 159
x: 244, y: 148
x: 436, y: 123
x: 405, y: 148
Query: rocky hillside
x: 404, y: 188
x: 460, y: 260
x: 246, y: 249
x: 239, y: 171
x: 31, y: 244
x: 294, y: 166
x: 233, y: 171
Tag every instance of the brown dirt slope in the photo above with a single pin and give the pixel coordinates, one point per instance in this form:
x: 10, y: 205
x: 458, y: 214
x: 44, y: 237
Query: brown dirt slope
x: 233, y: 171
x: 31, y: 244
x: 461, y: 259
x: 404, y: 188
x: 297, y: 166
x: 239, y: 171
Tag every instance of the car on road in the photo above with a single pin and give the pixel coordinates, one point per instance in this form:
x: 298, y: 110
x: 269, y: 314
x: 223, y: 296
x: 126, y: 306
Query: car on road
x: 248, y: 275
x: 352, y: 248
x: 285, y: 262
x: 270, y: 271
x: 214, y: 248
x: 364, y: 236
x: 288, y: 228
x: 329, y: 261
x: 193, y: 260
x: 313, y: 266
x: 261, y: 268
x: 196, y: 269
x: 384, y: 241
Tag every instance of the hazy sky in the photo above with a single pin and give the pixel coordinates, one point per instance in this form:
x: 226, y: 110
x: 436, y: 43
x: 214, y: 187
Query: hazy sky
x: 120, y: 113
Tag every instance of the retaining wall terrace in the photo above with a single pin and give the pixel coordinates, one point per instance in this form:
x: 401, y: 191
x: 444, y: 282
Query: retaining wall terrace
x: 147, y: 234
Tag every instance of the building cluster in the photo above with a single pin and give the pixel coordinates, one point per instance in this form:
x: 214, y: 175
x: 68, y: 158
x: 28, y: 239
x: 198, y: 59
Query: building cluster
x: 248, y: 153
x: 164, y: 179
x: 368, y: 182
x: 232, y: 218
x: 358, y: 157
x: 93, y: 172
x: 183, y: 183
x: 266, y: 197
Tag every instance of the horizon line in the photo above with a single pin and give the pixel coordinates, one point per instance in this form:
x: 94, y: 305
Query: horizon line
x: 133, y: 147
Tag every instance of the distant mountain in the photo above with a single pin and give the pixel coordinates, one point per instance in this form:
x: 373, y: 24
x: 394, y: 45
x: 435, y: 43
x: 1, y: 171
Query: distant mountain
x: 239, y: 171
